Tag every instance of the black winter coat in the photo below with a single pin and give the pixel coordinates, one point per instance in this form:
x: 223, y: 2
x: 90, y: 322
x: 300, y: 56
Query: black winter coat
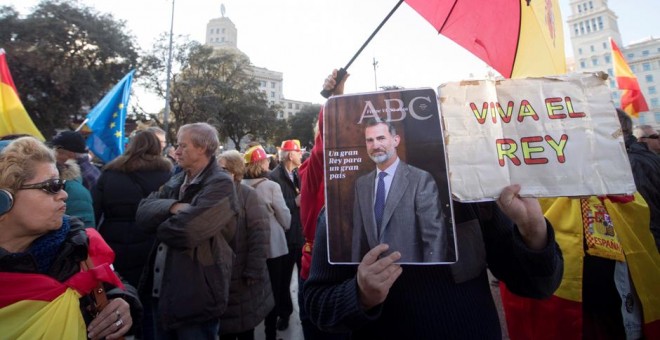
x: 290, y: 190
x: 646, y: 172
x: 116, y: 198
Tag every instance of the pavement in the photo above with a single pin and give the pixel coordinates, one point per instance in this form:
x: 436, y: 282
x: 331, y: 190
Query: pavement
x: 294, y: 332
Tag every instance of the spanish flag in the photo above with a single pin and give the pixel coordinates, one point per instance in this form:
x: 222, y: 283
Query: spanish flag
x: 36, y: 306
x: 517, y: 38
x: 13, y: 117
x: 632, y: 98
x: 561, y: 316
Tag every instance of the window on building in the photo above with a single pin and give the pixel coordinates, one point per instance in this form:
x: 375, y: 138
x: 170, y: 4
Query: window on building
x: 652, y: 90
x: 583, y: 64
x: 657, y: 117
x: 594, y: 61
x: 655, y: 102
x: 280, y: 115
x: 630, y: 56
x: 645, y: 53
x: 604, y: 45
x: 581, y: 27
x: 612, y: 83
x: 588, y: 27
x: 579, y: 8
x: 263, y: 83
x: 591, y: 5
x: 642, y: 119
x: 575, y: 27
x: 592, y: 48
x: 272, y: 84
x: 593, y: 25
x: 222, y: 39
x: 610, y: 72
x: 223, y: 30
x: 297, y: 106
x: 580, y: 50
x: 289, y: 105
x: 646, y: 66
x: 649, y: 78
x: 608, y: 58
x: 600, y: 23
x: 272, y: 94
x: 633, y: 68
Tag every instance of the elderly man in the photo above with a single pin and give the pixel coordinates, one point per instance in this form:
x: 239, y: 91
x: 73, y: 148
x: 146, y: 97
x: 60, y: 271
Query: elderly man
x: 286, y: 175
x: 645, y: 134
x: 193, y: 216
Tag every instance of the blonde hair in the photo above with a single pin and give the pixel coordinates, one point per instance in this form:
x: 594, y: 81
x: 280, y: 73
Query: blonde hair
x: 234, y: 163
x: 255, y: 169
x: 19, y: 159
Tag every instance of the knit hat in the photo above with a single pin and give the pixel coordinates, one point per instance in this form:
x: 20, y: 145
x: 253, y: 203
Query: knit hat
x: 290, y: 145
x: 70, y: 140
x: 255, y: 154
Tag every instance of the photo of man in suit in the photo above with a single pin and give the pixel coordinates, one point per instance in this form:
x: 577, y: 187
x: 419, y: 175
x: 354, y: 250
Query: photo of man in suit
x: 396, y: 204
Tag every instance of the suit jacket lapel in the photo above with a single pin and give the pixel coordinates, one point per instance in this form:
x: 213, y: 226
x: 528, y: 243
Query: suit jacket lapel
x: 395, y: 194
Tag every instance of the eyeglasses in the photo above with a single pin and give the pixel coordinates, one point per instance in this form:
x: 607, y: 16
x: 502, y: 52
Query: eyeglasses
x: 51, y: 186
x: 653, y: 136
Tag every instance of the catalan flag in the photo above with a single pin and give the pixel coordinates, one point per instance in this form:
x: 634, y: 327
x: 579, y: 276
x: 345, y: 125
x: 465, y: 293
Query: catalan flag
x: 632, y: 99
x: 106, y: 121
x: 14, y: 119
x: 36, y: 306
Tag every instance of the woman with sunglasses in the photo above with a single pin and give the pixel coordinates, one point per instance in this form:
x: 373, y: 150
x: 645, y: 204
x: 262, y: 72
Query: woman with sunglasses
x: 49, y: 262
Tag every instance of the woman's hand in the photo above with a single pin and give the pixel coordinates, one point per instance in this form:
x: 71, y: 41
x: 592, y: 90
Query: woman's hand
x: 112, y: 322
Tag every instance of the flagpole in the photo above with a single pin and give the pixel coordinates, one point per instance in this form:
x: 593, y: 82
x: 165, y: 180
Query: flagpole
x: 82, y: 124
x: 166, y: 114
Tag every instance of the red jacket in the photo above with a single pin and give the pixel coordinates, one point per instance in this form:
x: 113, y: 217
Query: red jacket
x: 312, y: 196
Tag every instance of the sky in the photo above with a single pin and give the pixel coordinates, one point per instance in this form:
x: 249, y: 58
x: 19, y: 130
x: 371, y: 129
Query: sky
x: 306, y: 39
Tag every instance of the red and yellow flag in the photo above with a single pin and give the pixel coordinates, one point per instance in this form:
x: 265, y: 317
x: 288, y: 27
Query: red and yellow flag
x: 13, y: 117
x: 561, y: 316
x: 36, y: 306
x: 632, y: 99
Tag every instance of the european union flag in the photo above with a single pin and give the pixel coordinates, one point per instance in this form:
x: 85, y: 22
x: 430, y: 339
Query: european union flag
x: 106, y: 120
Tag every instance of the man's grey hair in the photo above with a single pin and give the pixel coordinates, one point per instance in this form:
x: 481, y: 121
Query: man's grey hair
x: 202, y: 135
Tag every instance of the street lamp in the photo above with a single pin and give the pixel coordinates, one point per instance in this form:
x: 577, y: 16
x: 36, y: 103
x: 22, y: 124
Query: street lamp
x: 166, y: 114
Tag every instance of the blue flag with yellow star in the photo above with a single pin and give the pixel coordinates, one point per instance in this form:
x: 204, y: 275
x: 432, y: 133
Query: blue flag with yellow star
x: 106, y: 121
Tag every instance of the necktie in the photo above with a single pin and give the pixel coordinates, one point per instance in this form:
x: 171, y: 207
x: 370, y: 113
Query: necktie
x: 379, y: 205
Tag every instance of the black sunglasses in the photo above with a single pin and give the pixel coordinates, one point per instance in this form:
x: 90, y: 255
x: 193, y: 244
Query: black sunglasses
x: 51, y: 186
x: 653, y: 136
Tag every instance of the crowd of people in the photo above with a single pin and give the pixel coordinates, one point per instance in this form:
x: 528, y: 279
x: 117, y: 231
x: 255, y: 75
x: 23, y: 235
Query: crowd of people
x: 188, y: 242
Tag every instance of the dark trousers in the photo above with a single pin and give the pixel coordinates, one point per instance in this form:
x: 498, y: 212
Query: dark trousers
x: 292, y: 258
x: 275, y: 271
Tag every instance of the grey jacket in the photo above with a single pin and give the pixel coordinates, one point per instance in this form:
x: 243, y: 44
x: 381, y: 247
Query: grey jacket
x: 278, y: 214
x: 413, y: 222
x: 198, y: 263
x: 249, y: 303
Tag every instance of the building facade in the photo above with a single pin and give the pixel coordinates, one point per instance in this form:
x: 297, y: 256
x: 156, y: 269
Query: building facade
x: 591, y: 24
x: 222, y: 33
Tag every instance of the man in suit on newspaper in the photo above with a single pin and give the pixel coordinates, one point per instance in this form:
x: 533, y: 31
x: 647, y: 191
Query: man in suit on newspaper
x: 397, y: 204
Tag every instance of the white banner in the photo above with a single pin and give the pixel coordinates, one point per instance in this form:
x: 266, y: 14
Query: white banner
x: 555, y: 136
